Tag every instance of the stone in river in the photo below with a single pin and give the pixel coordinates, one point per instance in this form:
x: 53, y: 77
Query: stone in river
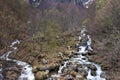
x: 93, y: 73
x: 44, y: 61
x: 69, y: 77
x: 82, y: 72
x: 92, y: 67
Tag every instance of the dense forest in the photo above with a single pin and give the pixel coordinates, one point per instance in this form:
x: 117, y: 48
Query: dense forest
x: 48, y: 28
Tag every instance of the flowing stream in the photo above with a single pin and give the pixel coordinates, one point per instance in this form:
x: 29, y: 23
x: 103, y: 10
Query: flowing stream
x: 82, y: 59
x: 26, y: 73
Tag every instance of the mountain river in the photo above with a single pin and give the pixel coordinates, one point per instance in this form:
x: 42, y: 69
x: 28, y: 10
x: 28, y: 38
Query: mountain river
x: 81, y: 59
x: 26, y: 73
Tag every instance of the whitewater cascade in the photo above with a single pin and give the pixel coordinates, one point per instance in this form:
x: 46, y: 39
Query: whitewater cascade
x: 82, y: 59
x: 26, y: 73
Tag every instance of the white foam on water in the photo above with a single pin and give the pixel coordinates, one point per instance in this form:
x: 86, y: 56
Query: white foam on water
x: 83, y: 60
x: 26, y: 73
x: 82, y: 49
x: 55, y: 75
x: 60, y: 68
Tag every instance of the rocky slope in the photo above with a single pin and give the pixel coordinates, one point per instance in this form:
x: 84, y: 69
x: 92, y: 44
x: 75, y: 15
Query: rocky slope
x: 105, y: 31
x: 49, y: 27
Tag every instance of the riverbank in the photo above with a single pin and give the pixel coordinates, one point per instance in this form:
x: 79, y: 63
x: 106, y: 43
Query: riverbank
x: 45, y: 64
x: 49, y: 34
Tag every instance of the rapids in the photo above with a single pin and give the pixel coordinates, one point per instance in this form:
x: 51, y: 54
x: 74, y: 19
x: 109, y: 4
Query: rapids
x: 26, y: 73
x: 82, y: 59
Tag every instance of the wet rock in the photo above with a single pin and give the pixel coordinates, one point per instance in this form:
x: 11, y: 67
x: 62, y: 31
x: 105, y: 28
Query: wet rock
x: 92, y: 67
x: 91, y: 53
x: 65, y: 70
x: 73, y: 67
x: 44, y: 61
x: 84, y: 54
x: 72, y: 63
x: 75, y: 56
x: 82, y: 72
x: 83, y: 41
x: 93, y: 73
x: 85, y: 59
x: 69, y: 77
x: 70, y: 55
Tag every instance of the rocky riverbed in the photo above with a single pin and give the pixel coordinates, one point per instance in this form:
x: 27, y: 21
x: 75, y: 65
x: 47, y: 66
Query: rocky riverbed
x: 78, y: 66
x: 76, y: 63
x: 12, y: 69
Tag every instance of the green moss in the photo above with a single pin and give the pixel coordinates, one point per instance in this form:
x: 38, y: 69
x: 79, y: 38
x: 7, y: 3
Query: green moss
x: 100, y: 4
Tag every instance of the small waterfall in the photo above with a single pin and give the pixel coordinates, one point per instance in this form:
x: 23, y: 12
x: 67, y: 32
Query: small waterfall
x: 26, y: 73
x: 81, y: 58
x: 83, y: 46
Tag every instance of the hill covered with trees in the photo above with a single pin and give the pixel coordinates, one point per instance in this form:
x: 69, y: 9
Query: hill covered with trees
x: 47, y: 27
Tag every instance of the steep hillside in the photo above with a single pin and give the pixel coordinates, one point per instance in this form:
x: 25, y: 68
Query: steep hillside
x: 105, y: 30
x: 66, y: 13
x: 48, y: 31
x: 12, y: 22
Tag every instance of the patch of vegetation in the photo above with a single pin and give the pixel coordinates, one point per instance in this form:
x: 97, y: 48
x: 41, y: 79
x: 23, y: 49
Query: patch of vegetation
x: 18, y: 7
x: 106, y: 29
x: 100, y: 4
x: 11, y: 25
